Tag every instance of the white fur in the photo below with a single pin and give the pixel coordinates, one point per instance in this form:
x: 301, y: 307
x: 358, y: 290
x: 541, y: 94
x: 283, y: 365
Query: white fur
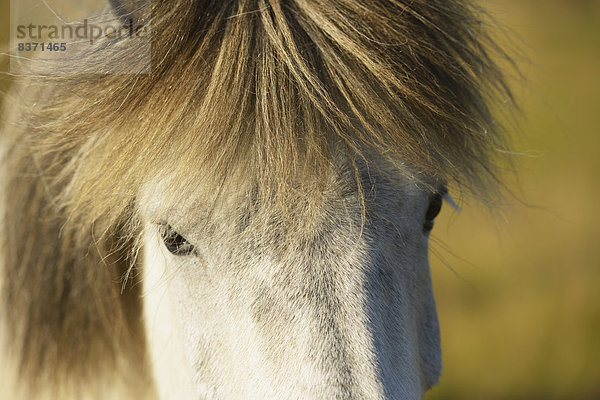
x: 167, y: 356
x: 346, y: 316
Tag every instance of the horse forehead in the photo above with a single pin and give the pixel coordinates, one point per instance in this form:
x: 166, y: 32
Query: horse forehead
x: 392, y: 196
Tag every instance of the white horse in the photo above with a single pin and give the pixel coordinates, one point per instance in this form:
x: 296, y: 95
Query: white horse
x: 250, y: 219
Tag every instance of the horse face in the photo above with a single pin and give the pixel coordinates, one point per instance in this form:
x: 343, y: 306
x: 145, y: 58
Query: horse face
x: 329, y: 303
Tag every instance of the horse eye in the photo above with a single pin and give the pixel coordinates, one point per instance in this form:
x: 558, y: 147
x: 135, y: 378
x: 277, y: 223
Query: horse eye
x: 435, y: 205
x: 175, y: 243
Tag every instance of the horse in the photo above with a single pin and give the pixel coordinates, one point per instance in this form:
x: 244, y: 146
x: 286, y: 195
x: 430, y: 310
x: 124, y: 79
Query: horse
x: 248, y: 216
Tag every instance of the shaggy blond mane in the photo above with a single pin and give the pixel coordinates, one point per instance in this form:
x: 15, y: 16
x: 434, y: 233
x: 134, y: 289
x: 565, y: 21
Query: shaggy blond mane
x: 267, y: 87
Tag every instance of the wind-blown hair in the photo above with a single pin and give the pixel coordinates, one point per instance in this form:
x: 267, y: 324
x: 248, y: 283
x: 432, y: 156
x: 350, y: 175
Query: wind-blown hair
x: 263, y: 88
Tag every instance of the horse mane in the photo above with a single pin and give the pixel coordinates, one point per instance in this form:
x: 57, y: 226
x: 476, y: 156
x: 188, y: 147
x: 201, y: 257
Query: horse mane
x: 268, y: 87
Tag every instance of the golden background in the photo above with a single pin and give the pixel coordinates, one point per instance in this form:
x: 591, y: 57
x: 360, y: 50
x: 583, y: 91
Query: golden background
x: 520, y: 314
x: 518, y: 291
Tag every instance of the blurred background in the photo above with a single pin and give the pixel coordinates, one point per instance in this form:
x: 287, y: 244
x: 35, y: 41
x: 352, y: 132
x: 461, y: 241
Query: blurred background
x: 518, y: 288
x: 518, y: 292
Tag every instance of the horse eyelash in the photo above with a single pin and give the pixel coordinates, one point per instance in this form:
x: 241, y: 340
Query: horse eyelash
x: 448, y: 199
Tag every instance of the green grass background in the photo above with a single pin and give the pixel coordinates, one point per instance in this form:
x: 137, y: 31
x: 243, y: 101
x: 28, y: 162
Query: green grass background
x: 518, y: 291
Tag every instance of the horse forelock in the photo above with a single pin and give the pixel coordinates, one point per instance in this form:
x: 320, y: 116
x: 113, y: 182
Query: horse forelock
x: 268, y: 87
